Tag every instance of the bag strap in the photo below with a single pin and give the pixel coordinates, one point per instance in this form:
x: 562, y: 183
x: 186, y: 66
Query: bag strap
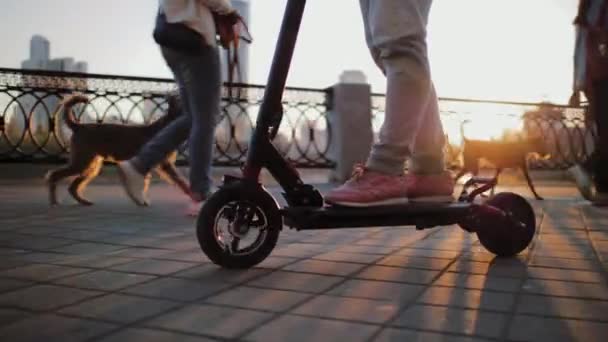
x: 232, y: 58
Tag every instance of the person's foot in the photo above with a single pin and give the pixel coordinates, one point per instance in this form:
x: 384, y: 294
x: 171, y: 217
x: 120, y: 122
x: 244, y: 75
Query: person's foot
x: 195, y: 206
x: 135, y: 184
x: 430, y: 188
x: 369, y: 188
x: 583, y: 180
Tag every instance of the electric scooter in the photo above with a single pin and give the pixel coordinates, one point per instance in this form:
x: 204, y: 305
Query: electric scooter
x: 239, y: 225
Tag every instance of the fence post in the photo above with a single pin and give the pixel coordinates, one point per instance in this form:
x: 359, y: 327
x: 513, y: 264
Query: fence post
x: 350, y: 119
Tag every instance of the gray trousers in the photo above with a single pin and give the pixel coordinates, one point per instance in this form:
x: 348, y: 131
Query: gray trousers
x: 199, y: 82
x: 395, y: 31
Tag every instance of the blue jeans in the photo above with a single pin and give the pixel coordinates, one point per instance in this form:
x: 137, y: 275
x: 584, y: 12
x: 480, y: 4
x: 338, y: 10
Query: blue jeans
x: 395, y: 31
x: 199, y: 81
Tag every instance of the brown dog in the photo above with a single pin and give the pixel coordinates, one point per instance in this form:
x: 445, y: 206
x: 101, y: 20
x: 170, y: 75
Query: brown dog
x: 92, y: 144
x: 502, y: 155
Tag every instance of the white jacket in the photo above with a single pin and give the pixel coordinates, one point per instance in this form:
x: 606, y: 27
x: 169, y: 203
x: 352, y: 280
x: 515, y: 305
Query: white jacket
x: 196, y: 14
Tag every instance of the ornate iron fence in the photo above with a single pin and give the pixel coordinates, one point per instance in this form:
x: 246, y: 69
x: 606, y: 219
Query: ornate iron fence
x: 568, y: 138
x: 30, y: 133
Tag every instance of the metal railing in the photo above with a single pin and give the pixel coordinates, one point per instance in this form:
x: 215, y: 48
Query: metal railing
x: 30, y: 133
x: 568, y: 137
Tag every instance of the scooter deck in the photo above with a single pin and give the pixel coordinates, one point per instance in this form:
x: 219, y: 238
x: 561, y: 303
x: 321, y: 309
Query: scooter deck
x: 421, y: 215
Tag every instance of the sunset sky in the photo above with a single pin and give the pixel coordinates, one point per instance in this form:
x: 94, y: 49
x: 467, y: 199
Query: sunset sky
x: 487, y: 49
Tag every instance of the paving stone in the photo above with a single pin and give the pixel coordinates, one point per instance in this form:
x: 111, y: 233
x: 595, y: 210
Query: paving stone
x: 429, y: 253
x: 568, y: 254
x: 149, y: 335
x: 303, y: 329
x: 564, y: 307
x: 367, y: 249
x: 43, y: 257
x: 10, y: 263
x: 563, y: 274
x: 348, y: 257
x: 140, y: 252
x: 177, y: 289
x: 572, y: 264
x: 540, y: 329
x: 104, y: 280
x: 598, y: 236
x: 414, y: 262
x: 260, y: 299
x: 44, y: 297
x: 324, y: 267
x: 8, y: 316
x: 210, y: 320
x: 462, y: 321
x: 88, y: 248
x: 156, y: 267
x: 515, y: 270
x: 566, y: 289
x: 355, y: 309
x: 196, y: 256
x: 93, y: 261
x: 445, y: 245
x: 52, y: 328
x: 479, y: 282
x: 395, y: 335
x: 378, y: 290
x: 303, y: 282
x: 212, y: 272
x: 12, y: 284
x: 274, y: 262
x: 398, y: 274
x: 468, y: 299
x: 564, y: 239
x: 119, y: 308
x: 39, y: 243
x: 40, y: 272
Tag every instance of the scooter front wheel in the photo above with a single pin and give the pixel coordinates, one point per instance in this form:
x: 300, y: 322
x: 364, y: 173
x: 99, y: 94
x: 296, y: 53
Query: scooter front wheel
x: 507, y: 238
x: 239, y: 225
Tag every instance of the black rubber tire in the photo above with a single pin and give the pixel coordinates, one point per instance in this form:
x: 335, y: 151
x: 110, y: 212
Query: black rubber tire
x: 508, y: 240
x: 205, y: 226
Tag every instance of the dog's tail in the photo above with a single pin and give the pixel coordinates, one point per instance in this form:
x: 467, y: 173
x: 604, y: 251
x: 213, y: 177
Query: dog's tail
x: 68, y: 112
x: 464, y: 138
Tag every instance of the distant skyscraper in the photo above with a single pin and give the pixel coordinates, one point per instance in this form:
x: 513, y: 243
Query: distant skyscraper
x: 39, y: 110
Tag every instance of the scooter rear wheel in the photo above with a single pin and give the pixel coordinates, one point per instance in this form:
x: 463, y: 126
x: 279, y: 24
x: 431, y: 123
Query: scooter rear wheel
x: 238, y: 226
x: 508, y: 239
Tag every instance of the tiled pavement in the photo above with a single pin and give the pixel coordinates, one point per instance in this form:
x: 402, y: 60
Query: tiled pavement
x: 114, y: 272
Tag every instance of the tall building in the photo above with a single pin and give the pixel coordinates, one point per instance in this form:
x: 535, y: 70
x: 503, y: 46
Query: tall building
x: 35, y: 112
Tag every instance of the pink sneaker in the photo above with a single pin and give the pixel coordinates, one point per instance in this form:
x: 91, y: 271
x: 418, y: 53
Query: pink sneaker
x: 369, y: 188
x: 430, y: 188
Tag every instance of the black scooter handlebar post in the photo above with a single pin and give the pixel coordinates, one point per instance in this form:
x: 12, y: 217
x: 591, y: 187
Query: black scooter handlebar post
x: 271, y: 106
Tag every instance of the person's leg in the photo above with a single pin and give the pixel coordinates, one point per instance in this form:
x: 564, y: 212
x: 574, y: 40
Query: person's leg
x: 134, y: 173
x: 396, y: 33
x: 428, y: 179
x: 202, y: 82
x: 600, y: 164
x: 591, y: 176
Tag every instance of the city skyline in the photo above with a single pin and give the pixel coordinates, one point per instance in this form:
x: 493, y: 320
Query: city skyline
x: 489, y: 50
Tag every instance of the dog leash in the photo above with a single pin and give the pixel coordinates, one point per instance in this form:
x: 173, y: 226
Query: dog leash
x: 232, y: 59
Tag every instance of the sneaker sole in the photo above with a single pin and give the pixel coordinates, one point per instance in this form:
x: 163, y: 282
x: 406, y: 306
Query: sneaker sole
x: 392, y: 201
x: 432, y: 199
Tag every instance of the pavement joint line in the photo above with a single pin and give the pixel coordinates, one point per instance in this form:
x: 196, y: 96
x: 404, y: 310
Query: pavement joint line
x: 346, y: 278
x: 213, y: 293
